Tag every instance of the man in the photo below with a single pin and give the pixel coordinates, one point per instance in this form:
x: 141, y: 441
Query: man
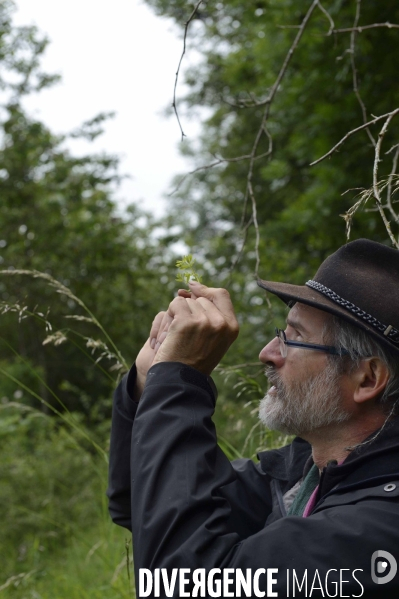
x: 318, y: 518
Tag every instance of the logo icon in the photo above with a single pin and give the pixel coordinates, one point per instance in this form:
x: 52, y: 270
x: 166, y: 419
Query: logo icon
x: 383, y: 562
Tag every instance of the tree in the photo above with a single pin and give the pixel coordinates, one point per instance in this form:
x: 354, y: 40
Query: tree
x: 284, y: 82
x: 58, y: 216
x: 281, y: 82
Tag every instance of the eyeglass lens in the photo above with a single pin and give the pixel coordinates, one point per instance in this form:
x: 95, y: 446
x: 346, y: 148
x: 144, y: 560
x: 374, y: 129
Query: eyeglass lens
x: 282, y: 345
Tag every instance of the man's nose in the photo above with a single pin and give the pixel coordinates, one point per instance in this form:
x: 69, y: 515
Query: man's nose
x: 271, y: 353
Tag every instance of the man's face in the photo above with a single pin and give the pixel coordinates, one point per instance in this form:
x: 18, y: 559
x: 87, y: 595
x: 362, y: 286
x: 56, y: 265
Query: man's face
x: 306, y: 395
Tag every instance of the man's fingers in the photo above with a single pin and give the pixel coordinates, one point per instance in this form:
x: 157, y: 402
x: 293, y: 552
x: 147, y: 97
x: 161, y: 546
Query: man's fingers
x: 207, y: 312
x: 218, y: 296
x: 180, y: 305
x: 156, y: 324
x: 186, y: 294
x: 199, y: 334
x: 201, y: 312
x: 160, y: 323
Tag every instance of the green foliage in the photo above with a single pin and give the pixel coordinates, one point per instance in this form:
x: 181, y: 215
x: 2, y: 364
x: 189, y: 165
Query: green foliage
x: 58, y: 536
x: 92, y: 566
x: 74, y: 299
x: 47, y: 480
x: 187, y: 272
x: 58, y: 217
x: 81, y: 282
x: 243, y: 47
x: 47, y: 469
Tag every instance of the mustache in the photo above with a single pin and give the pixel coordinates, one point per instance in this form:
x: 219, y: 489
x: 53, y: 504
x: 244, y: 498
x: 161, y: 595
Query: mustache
x: 272, y: 375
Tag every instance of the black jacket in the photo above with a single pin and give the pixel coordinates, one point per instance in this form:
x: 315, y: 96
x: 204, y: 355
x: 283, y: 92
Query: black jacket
x: 189, y: 507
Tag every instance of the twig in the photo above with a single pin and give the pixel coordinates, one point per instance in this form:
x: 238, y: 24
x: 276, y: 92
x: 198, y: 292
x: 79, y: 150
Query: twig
x: 256, y: 226
x: 244, y: 239
x: 327, y: 14
x: 350, y: 133
x: 191, y: 17
x: 389, y: 186
x: 354, y: 71
x: 364, y: 197
x: 263, y: 129
x: 288, y: 57
x: 216, y: 163
x: 392, y: 149
x: 376, y: 191
x: 364, y: 27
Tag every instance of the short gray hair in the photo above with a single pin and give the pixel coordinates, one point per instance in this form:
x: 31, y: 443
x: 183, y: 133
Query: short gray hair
x: 360, y: 345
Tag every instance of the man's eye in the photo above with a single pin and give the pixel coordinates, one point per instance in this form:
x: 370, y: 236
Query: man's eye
x: 292, y: 334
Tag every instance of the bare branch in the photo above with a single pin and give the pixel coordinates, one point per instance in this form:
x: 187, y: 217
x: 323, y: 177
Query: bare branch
x: 263, y: 129
x: 391, y: 177
x: 244, y: 239
x: 376, y: 190
x: 392, y: 149
x: 350, y: 133
x: 366, y: 194
x: 327, y: 14
x: 256, y: 225
x: 266, y: 102
x: 364, y: 27
x: 348, y: 216
x: 358, y: 29
x: 191, y: 17
x: 216, y: 163
x: 354, y: 71
x: 288, y: 57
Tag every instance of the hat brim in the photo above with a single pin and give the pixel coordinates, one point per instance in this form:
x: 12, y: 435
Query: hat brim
x: 307, y: 295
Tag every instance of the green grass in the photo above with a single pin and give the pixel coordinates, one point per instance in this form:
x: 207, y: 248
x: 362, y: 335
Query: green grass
x: 56, y: 538
x: 92, y: 564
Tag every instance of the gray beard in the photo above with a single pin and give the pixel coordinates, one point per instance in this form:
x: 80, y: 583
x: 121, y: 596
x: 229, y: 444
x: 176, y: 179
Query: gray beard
x: 304, y: 406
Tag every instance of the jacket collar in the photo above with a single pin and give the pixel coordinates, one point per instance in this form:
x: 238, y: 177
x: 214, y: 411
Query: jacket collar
x: 378, y: 454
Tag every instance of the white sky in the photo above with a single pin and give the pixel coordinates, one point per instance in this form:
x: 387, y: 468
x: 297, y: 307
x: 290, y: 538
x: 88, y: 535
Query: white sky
x: 113, y: 56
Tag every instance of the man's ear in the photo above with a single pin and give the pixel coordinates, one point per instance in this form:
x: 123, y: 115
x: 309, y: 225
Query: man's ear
x: 370, y: 378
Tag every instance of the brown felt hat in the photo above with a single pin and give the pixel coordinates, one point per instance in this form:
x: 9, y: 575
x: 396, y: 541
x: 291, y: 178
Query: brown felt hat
x: 359, y: 283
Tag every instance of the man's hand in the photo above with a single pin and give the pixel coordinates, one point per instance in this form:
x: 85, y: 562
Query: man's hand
x: 148, y: 352
x: 197, y: 329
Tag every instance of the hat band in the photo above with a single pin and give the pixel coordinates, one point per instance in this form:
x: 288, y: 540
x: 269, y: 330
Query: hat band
x: 388, y: 331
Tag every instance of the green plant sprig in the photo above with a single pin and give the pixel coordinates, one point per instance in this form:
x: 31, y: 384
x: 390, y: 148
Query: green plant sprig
x: 187, y: 272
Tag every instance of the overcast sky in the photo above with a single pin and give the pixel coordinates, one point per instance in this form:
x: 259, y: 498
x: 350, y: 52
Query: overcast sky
x: 113, y: 56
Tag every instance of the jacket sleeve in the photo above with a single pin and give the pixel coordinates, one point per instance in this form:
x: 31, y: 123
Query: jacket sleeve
x: 248, y: 493
x: 192, y: 509
x: 187, y: 498
x: 123, y: 413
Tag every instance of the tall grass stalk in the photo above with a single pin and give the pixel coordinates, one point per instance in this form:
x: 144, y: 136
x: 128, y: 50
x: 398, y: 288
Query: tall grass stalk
x: 70, y: 421
x: 89, y: 564
x: 63, y: 290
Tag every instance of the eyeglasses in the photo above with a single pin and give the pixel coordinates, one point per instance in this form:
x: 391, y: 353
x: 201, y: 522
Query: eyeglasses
x: 284, y: 344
